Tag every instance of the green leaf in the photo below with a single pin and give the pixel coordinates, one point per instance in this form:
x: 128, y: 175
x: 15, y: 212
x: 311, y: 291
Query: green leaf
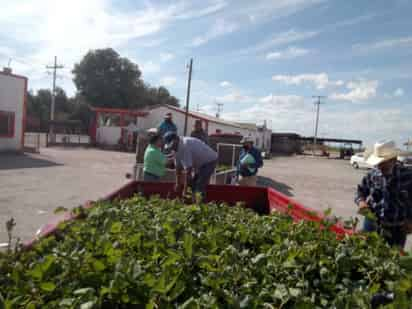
x: 83, y: 291
x: 2, y: 304
x: 191, y: 303
x: 60, y: 210
x: 88, y: 305
x: 98, y: 265
x: 67, y: 302
x: 116, y: 227
x: 188, y: 244
x: 48, y: 286
x: 30, y: 305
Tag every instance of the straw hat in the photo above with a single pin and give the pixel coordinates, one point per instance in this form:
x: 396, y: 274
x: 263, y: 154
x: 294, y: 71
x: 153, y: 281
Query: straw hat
x: 382, y: 151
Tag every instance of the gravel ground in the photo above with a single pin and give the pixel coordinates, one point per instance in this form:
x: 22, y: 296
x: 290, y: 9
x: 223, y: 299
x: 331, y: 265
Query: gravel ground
x: 32, y: 186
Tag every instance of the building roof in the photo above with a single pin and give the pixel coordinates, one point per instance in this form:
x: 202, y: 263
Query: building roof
x: 203, y: 117
x: 13, y: 75
x: 131, y: 112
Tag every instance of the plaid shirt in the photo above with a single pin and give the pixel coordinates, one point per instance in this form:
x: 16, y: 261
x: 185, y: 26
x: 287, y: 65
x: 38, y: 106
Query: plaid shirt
x: 388, y: 197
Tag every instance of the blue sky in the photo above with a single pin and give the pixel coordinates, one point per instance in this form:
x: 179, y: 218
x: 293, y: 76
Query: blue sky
x: 264, y: 60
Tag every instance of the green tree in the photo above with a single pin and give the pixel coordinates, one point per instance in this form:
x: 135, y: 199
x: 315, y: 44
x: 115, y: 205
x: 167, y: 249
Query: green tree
x: 39, y: 104
x: 105, y: 79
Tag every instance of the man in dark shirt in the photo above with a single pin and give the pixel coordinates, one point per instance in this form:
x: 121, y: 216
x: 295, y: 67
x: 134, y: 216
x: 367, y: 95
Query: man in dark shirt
x: 383, y: 195
x: 167, y: 125
x: 250, y: 160
x: 199, y: 133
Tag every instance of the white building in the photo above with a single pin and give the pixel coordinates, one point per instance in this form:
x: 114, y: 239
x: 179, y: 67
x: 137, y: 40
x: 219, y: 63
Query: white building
x: 261, y: 135
x: 13, y: 89
x: 110, y: 124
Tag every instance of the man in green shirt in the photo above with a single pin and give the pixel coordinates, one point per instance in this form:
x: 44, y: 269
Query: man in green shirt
x: 154, y: 165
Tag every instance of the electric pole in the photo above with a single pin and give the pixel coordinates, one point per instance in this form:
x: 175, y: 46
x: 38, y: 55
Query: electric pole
x: 315, y: 137
x: 189, y: 82
x: 219, y: 109
x: 54, y: 67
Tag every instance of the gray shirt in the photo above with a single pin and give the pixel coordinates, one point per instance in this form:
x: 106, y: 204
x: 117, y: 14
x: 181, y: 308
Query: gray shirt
x: 192, y: 152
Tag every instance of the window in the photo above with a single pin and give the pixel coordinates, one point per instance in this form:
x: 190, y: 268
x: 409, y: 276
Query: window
x: 6, y: 124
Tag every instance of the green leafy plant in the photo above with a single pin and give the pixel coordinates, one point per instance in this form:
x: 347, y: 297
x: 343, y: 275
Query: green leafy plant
x: 156, y: 253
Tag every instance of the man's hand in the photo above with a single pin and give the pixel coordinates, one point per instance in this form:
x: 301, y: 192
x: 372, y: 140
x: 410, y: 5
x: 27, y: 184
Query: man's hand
x: 363, y: 207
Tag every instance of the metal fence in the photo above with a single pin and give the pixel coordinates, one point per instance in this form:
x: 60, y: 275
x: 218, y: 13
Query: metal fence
x: 68, y: 140
x: 33, y: 141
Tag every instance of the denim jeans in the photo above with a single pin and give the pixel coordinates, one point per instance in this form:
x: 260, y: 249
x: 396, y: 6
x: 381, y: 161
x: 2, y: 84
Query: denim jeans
x: 202, y: 178
x: 394, y: 235
x: 150, y: 177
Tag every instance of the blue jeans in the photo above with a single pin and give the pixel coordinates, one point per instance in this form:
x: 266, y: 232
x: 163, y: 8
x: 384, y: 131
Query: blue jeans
x: 150, y: 177
x: 394, y: 235
x: 202, y: 178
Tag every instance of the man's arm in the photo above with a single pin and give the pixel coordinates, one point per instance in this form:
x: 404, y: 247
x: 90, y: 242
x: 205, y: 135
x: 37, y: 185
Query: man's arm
x: 362, y: 193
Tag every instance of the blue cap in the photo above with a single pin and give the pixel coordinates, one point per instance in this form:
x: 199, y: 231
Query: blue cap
x: 169, y: 138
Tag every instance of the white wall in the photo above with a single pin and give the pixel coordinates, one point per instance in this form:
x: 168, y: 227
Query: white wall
x: 156, y: 116
x: 108, y: 135
x: 12, y: 95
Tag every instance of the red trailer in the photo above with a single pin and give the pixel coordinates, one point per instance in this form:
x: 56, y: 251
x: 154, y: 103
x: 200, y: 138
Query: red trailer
x: 260, y: 199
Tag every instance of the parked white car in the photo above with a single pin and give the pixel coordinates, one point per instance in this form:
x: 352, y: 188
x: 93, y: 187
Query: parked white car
x: 358, y: 160
x: 405, y: 158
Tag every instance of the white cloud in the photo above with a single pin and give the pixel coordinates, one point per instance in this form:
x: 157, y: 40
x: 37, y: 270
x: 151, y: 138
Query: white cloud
x: 233, y: 97
x: 289, y: 53
x: 261, y: 10
x: 150, y: 67
x: 220, y: 27
x: 288, y: 113
x: 282, y: 38
x: 212, y: 8
x: 69, y: 29
x: 321, y: 80
x: 384, y: 44
x: 361, y: 90
x: 225, y: 84
x: 398, y: 92
x: 166, y: 57
x: 168, y: 81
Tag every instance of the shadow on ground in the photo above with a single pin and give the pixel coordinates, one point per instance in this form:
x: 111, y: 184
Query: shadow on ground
x: 279, y: 186
x: 10, y: 161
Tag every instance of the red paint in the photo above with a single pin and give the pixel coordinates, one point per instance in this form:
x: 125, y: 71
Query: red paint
x: 11, y: 130
x: 24, y: 111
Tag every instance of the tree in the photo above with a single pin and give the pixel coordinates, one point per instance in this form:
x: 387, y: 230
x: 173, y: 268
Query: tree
x: 105, y: 79
x: 39, y: 104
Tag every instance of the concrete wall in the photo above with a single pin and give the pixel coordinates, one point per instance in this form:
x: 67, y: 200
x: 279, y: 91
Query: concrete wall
x: 108, y: 135
x: 12, y: 99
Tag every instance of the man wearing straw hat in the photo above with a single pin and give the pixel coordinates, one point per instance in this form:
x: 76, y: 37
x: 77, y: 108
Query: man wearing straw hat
x: 383, y: 196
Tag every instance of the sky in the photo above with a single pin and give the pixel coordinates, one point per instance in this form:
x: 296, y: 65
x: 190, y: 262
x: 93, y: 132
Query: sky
x: 263, y: 59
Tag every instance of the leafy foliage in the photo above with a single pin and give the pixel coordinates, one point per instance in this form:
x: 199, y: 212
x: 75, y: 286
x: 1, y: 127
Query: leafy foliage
x: 106, y: 79
x: 162, y: 254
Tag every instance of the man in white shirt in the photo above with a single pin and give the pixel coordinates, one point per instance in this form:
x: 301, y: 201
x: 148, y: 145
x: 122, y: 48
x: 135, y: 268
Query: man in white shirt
x: 195, y: 158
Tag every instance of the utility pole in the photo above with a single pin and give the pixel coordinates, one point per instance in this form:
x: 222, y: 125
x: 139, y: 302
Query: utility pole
x: 219, y: 109
x: 189, y: 82
x: 54, y: 67
x: 315, y: 137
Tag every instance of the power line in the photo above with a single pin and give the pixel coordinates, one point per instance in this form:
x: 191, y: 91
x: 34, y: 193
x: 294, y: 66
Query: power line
x: 219, y: 108
x: 317, y: 103
x: 189, y: 81
x: 54, y: 67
